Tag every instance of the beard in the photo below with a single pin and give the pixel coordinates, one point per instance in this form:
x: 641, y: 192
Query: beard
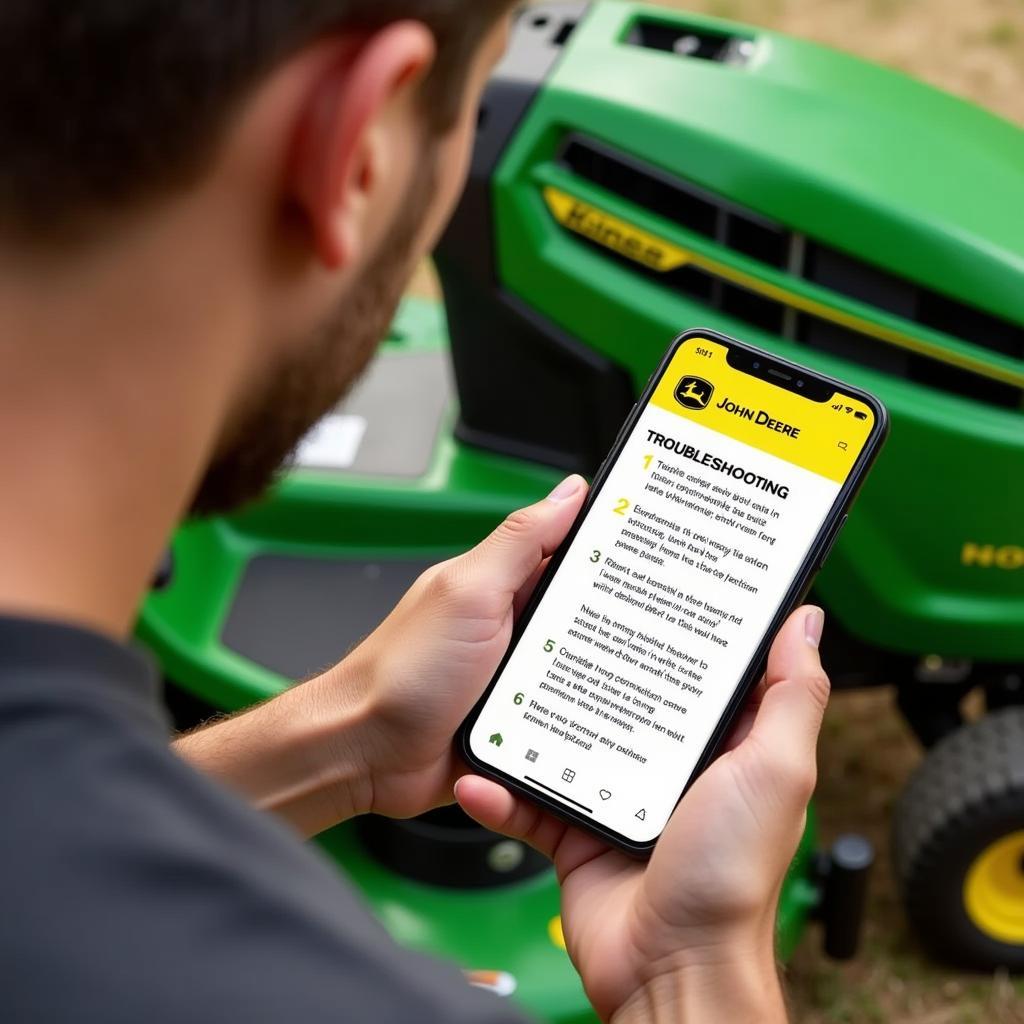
x: 302, y: 390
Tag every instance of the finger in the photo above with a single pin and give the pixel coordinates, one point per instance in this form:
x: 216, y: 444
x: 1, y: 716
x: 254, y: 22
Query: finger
x: 795, y: 650
x: 740, y: 729
x: 745, y: 719
x: 525, y: 592
x: 512, y: 553
x: 793, y: 703
x: 494, y: 807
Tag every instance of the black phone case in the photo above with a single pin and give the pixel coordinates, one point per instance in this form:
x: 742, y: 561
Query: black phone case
x: 817, y: 553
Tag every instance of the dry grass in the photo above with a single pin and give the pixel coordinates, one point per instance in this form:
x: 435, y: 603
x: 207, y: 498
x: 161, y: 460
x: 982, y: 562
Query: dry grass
x: 974, y: 48
x: 865, y: 755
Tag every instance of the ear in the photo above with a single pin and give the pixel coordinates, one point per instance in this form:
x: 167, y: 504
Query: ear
x: 336, y: 163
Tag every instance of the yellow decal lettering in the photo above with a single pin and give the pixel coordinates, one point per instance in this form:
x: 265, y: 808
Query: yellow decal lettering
x: 989, y: 556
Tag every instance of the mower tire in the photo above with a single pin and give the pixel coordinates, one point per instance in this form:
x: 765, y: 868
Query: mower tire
x: 958, y: 844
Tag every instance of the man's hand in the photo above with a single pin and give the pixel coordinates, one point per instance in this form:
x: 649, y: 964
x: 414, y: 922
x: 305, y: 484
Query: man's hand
x: 374, y: 733
x: 690, y: 935
x: 427, y: 664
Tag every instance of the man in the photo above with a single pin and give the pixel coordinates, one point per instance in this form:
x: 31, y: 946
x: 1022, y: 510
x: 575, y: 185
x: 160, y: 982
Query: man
x: 207, y: 214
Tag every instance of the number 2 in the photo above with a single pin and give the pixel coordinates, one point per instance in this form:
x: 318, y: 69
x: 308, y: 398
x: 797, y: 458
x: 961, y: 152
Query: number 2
x: 622, y: 507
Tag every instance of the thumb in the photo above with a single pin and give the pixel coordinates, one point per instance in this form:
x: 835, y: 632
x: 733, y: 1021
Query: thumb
x: 494, y: 807
x: 512, y: 553
x: 796, y: 692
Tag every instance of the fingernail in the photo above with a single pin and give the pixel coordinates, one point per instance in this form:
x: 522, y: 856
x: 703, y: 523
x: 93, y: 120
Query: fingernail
x: 566, y: 489
x: 813, y: 626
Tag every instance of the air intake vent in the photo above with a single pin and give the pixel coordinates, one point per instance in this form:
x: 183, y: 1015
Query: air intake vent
x: 850, y: 276
x: 688, y: 41
x: 768, y: 242
x: 680, y: 202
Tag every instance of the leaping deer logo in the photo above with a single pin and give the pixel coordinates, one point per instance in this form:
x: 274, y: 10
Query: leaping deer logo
x: 694, y: 392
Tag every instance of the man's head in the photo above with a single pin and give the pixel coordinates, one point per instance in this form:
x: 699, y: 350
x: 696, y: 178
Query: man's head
x: 311, y: 150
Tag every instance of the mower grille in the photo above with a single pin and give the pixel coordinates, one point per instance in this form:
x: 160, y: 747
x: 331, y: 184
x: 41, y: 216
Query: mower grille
x: 759, y: 238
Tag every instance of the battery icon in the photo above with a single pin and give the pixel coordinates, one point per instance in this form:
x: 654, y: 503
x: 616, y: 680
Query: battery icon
x: 860, y: 415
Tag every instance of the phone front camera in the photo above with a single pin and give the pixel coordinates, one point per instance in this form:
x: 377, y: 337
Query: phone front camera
x: 799, y: 383
x: 757, y: 366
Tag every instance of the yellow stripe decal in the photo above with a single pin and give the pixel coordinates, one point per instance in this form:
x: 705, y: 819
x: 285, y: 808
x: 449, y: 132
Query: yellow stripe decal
x: 662, y: 256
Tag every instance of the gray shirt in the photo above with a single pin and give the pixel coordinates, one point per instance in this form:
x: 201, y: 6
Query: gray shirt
x: 134, y: 889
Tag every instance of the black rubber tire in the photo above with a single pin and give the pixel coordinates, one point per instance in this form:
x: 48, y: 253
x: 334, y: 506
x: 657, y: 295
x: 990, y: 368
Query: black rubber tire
x: 968, y: 793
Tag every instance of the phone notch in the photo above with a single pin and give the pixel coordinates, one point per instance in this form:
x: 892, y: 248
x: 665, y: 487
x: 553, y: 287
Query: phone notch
x: 779, y: 373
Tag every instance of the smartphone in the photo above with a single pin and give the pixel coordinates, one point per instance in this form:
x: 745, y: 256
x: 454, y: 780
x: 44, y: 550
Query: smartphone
x: 703, y: 529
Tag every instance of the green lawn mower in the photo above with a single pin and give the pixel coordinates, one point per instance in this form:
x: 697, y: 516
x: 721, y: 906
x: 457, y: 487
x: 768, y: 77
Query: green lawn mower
x: 639, y: 171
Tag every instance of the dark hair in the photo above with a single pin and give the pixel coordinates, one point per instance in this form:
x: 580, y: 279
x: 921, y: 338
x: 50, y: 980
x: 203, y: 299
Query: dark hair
x: 105, y: 103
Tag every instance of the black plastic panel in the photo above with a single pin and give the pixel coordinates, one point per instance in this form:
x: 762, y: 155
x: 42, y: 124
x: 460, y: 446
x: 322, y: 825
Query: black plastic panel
x: 841, y: 341
x: 536, y: 43
x: 448, y: 849
x: 679, y: 201
x: 525, y: 388
x: 298, y: 616
x: 840, y: 273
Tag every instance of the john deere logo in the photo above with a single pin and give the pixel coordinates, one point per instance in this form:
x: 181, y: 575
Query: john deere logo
x: 694, y: 392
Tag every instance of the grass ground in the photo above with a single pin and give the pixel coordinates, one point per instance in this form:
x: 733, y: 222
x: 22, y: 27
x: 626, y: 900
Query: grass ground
x: 865, y: 755
x: 974, y: 48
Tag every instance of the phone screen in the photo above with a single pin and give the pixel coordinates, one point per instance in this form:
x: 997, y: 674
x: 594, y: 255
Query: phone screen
x: 692, y: 542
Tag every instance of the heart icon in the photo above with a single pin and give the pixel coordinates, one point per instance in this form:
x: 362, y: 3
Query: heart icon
x: 605, y: 794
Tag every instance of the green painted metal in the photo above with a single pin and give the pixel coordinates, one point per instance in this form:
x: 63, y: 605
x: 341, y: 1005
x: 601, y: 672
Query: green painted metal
x: 868, y: 161
x: 507, y: 929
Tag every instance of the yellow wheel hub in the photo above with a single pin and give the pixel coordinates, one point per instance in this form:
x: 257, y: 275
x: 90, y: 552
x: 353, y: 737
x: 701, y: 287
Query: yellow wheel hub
x: 994, y: 890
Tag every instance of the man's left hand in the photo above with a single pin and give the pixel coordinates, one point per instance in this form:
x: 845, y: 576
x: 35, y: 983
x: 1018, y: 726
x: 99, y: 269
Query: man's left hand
x: 428, y: 663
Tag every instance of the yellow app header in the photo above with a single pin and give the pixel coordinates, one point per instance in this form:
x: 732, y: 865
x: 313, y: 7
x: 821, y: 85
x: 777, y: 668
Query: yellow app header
x: 700, y: 385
